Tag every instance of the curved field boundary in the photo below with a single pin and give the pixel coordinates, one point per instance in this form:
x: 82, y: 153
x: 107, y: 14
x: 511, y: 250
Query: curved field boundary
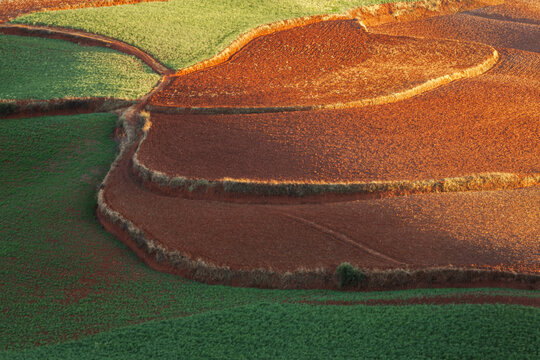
x: 244, y: 39
x: 409, y: 11
x: 161, y: 259
x: 86, y: 38
x: 179, y: 185
x: 379, y: 100
x: 401, y: 10
x: 29, y: 108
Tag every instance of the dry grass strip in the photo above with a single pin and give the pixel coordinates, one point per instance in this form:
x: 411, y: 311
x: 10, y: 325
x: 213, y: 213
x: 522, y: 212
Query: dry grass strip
x: 379, y: 100
x: 379, y: 14
x: 474, y: 182
x: 302, y: 278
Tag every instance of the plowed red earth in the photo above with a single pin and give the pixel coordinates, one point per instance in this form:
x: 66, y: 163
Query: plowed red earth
x: 322, y: 63
x: 486, y: 123
x: 496, y: 229
x: 10, y: 9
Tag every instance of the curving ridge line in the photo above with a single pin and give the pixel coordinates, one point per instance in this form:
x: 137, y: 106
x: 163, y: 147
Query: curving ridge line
x: 180, y: 185
x: 429, y: 85
x: 79, y: 36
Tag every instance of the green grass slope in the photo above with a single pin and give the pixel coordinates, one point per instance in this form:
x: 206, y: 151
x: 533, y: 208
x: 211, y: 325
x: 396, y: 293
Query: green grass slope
x: 62, y: 277
x: 184, y: 32
x: 43, y: 69
x: 294, y: 331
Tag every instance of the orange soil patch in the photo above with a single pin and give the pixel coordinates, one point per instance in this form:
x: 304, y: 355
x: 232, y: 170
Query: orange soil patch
x: 409, y: 11
x: 480, y: 124
x: 307, y: 65
x: 444, y: 133
x: 497, y: 230
x: 512, y: 25
x: 10, y: 9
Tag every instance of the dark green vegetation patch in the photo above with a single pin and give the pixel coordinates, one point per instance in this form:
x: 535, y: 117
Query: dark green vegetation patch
x: 294, y: 331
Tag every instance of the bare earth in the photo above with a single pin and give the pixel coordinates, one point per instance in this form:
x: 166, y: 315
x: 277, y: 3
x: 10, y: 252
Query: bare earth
x: 484, y: 123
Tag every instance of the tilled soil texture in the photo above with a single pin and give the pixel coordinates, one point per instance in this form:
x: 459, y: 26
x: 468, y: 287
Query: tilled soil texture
x: 10, y: 9
x: 489, y: 123
x: 515, y: 24
x: 485, y: 123
x: 492, y: 229
x: 329, y: 62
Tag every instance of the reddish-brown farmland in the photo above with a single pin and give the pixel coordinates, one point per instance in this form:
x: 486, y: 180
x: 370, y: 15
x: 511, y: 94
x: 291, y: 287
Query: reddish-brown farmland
x: 493, y: 229
x: 329, y: 62
x: 482, y: 123
x: 10, y: 9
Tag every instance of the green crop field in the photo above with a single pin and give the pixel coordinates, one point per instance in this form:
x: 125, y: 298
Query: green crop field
x: 42, y: 69
x: 295, y: 331
x: 184, y: 32
x: 62, y: 277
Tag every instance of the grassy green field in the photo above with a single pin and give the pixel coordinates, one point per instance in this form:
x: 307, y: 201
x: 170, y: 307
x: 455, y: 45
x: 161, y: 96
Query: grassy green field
x: 294, y: 331
x: 62, y: 277
x: 184, y: 32
x: 33, y: 68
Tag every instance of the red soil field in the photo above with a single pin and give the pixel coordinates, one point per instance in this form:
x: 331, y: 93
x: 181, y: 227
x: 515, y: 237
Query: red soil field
x: 515, y: 25
x: 10, y: 9
x: 485, y: 123
x: 308, y: 65
x: 493, y: 229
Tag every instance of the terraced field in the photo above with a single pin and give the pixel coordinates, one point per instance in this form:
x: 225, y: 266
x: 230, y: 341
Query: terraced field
x: 249, y: 170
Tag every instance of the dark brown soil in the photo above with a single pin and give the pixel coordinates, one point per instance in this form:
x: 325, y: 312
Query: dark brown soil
x: 497, y: 230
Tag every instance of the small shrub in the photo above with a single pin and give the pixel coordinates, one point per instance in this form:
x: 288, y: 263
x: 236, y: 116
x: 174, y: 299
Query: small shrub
x: 7, y: 108
x: 349, y: 276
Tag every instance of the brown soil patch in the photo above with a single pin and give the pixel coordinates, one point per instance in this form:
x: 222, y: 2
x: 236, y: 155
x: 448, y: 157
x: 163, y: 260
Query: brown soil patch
x: 514, y: 24
x: 446, y: 132
x: 487, y: 123
x: 496, y: 230
x: 306, y: 66
x: 10, y: 9
x: 394, y: 12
